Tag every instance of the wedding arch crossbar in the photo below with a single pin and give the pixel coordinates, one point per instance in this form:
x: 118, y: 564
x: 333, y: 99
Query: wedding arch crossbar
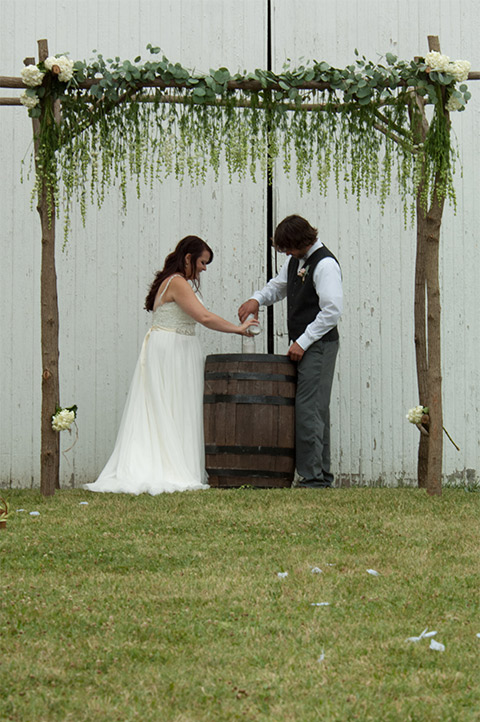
x: 113, y: 120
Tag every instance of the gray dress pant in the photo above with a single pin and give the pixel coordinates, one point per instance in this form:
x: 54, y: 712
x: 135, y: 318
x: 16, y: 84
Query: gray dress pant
x: 312, y: 412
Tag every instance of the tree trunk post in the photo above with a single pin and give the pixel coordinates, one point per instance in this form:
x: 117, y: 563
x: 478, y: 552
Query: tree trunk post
x: 419, y: 125
x: 434, y: 373
x: 435, y: 445
x: 50, y: 439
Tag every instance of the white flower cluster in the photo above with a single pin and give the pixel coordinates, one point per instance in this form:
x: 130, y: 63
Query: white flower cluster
x: 415, y: 415
x: 62, y: 420
x: 437, y: 61
x: 32, y: 76
x: 29, y: 102
x: 453, y: 103
x: 459, y: 69
x: 65, y: 65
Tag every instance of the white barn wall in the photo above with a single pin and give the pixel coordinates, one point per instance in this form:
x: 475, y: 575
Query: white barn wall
x: 376, y: 378
x: 104, y: 273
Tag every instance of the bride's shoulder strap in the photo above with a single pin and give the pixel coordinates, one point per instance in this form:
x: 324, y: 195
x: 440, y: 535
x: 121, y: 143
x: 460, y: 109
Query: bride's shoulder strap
x: 175, y: 275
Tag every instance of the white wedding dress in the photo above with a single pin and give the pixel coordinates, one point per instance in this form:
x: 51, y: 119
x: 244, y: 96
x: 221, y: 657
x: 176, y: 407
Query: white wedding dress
x: 160, y: 443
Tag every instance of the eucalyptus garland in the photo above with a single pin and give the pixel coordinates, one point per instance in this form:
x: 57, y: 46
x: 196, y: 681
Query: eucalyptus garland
x: 149, y: 120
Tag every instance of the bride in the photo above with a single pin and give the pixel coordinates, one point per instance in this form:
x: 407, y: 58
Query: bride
x: 160, y: 446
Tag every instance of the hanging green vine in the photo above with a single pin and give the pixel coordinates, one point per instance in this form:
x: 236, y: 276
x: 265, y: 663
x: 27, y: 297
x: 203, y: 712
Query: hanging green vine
x: 146, y: 121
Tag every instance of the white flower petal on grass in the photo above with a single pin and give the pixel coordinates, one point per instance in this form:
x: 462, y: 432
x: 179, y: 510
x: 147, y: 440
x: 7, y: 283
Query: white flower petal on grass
x: 316, y: 570
x: 423, y: 635
x: 437, y: 646
x: 319, y: 604
x: 331, y: 565
x: 34, y: 513
x: 478, y: 635
x: 322, y: 657
x: 282, y: 575
x: 82, y: 503
x: 20, y: 510
x: 373, y: 572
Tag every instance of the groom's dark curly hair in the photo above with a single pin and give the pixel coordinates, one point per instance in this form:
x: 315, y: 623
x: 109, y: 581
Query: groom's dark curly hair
x: 294, y: 233
x: 175, y: 263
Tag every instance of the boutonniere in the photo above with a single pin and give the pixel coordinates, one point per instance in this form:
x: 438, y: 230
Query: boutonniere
x: 303, y: 273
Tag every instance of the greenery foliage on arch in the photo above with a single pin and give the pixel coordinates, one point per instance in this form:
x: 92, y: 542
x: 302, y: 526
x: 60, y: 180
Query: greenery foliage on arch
x: 117, y: 121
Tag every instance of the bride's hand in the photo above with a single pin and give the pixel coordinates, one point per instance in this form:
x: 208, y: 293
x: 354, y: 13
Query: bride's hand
x: 244, y: 327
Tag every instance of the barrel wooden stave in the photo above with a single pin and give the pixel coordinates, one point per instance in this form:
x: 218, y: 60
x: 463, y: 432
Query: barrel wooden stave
x: 247, y: 441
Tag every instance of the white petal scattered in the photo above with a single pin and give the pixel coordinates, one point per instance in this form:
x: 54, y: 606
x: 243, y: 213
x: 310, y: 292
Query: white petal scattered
x: 478, y: 635
x: 34, y: 513
x: 373, y: 572
x: 437, y: 646
x: 322, y: 657
x: 282, y: 575
x: 320, y: 604
x: 331, y: 565
x: 81, y: 503
x: 423, y: 635
x: 316, y: 570
x: 21, y: 510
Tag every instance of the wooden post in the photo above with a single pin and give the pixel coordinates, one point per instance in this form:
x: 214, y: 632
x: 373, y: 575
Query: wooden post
x: 428, y: 315
x: 419, y: 125
x: 434, y: 220
x: 50, y: 441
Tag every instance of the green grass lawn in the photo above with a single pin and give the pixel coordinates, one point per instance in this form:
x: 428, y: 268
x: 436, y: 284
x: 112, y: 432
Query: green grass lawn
x: 170, y: 608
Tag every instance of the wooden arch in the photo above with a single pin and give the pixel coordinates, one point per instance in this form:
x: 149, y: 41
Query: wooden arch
x: 427, y: 292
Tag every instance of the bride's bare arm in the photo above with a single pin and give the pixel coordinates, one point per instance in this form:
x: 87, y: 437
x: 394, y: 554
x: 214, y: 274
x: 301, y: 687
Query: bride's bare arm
x: 181, y: 292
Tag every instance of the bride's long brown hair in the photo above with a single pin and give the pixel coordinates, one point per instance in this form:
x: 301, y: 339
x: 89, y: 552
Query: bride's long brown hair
x: 175, y: 263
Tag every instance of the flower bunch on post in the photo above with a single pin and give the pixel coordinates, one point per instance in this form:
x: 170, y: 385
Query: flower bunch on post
x: 416, y: 415
x: 458, y: 70
x: 64, y: 418
x: 61, y: 67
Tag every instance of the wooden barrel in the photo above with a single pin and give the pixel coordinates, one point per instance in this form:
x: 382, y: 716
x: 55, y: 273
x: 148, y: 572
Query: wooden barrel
x: 249, y: 414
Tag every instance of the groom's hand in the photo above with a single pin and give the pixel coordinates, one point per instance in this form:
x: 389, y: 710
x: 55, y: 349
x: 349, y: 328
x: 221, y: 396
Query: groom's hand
x: 295, y: 352
x: 250, y: 306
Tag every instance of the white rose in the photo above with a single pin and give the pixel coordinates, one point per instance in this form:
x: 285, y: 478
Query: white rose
x: 63, y: 420
x: 459, y: 69
x: 29, y: 102
x: 437, y: 61
x: 32, y: 76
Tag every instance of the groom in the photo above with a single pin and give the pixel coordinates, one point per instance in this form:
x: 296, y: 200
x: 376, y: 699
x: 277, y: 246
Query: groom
x: 312, y: 282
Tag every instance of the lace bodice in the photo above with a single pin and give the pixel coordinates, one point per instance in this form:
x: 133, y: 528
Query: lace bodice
x: 170, y: 317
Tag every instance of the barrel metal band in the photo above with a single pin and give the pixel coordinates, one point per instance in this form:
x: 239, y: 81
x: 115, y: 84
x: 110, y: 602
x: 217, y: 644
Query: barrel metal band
x: 257, y: 450
x: 247, y: 376
x: 250, y: 357
x: 253, y: 473
x: 238, y: 399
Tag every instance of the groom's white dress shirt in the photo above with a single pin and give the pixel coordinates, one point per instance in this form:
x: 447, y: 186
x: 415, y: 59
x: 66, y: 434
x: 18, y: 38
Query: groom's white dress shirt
x: 327, y: 279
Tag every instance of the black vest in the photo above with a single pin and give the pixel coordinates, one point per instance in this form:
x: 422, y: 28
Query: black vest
x: 302, y: 298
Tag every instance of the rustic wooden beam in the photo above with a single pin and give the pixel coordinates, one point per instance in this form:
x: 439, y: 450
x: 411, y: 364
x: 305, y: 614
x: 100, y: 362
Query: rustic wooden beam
x: 250, y: 85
